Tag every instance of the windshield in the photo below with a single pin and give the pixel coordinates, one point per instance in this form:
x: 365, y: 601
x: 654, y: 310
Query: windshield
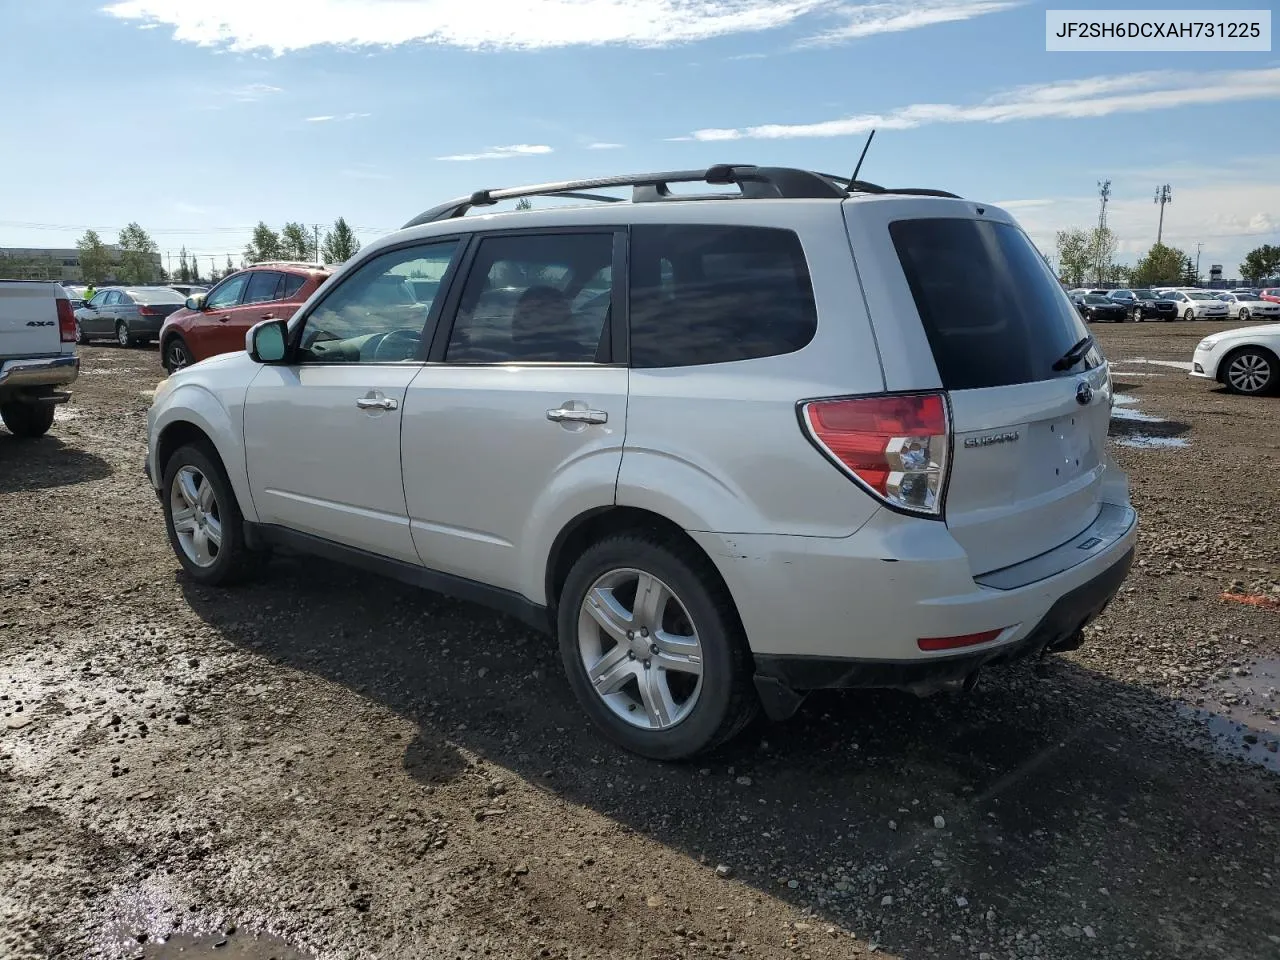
x: 1201, y: 296
x: 1094, y: 298
x: 156, y: 295
x: 1144, y: 294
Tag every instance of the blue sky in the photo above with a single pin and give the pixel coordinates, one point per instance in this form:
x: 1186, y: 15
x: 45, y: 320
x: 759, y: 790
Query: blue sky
x: 197, y: 118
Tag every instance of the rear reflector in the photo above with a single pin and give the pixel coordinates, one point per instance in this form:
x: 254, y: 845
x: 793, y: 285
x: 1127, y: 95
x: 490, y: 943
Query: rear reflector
x: 66, y: 322
x: 896, y: 446
x: 950, y: 643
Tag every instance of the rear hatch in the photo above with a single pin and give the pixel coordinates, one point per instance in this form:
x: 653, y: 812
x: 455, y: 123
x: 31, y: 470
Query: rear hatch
x: 961, y: 300
x: 29, y: 318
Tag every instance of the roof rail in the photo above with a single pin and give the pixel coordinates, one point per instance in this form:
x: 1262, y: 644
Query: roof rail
x: 754, y: 183
x: 287, y: 263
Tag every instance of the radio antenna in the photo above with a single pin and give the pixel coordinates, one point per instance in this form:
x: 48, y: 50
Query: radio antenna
x: 866, y: 146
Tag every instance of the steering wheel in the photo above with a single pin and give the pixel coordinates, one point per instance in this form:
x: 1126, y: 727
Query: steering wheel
x: 395, y: 346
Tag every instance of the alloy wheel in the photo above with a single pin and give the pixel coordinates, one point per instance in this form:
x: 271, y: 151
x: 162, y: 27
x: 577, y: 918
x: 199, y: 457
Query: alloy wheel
x: 1249, y: 372
x: 640, y: 649
x: 196, y: 516
x: 1244, y: 313
x: 122, y: 334
x: 175, y: 356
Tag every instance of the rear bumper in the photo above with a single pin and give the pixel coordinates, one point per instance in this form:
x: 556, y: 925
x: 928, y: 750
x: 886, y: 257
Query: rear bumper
x: 30, y: 374
x: 824, y: 612
x: 145, y: 326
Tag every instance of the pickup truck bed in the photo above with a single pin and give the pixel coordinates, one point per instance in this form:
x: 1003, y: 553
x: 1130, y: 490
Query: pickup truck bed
x: 37, y: 354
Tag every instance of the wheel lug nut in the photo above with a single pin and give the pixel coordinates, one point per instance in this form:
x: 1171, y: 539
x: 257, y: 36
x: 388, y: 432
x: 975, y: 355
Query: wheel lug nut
x: 631, y: 634
x: 644, y: 631
x: 631, y: 655
x: 654, y: 649
x: 646, y: 664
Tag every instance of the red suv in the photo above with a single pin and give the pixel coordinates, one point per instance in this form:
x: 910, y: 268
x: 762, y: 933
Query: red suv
x: 216, y: 322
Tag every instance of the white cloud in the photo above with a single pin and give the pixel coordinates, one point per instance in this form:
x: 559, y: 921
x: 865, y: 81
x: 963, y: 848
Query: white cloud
x: 503, y: 153
x: 253, y: 92
x: 1068, y: 99
x: 604, y: 146
x: 868, y: 19
x: 339, y: 117
x: 521, y: 24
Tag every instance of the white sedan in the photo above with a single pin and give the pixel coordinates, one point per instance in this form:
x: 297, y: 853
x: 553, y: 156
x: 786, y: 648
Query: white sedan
x: 1197, y: 305
x: 1246, y: 360
x: 1243, y: 306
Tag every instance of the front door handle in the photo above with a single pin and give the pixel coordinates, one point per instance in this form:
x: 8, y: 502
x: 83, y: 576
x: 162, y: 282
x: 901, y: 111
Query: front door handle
x: 376, y: 403
x: 573, y: 415
x: 224, y: 318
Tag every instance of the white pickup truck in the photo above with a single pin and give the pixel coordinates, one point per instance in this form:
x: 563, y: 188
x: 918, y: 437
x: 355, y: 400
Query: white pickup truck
x: 37, y: 354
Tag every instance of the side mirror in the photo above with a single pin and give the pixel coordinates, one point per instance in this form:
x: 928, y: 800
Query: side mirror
x: 196, y: 302
x: 267, y: 341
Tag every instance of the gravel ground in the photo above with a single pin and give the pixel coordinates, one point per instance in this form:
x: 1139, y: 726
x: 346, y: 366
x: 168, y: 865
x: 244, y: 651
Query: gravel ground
x: 326, y: 765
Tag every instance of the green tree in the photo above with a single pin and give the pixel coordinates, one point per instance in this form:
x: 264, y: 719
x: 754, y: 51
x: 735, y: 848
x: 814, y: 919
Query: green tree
x: 1261, y: 263
x: 95, y: 259
x: 1074, y: 256
x: 264, y: 245
x: 1160, y: 265
x: 231, y: 267
x: 295, y: 242
x: 138, y: 256
x: 524, y: 203
x: 340, y: 243
x: 1102, y: 250
x: 1122, y: 275
x: 184, y: 272
x: 1190, y: 276
x: 195, y: 269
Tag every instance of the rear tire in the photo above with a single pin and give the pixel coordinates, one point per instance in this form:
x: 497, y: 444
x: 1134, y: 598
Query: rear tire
x: 219, y: 561
x: 123, y: 338
x: 81, y: 337
x: 719, y: 701
x: 27, y: 420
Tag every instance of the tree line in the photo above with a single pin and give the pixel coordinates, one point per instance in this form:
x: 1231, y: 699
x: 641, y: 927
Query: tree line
x: 1087, y: 257
x: 139, y: 263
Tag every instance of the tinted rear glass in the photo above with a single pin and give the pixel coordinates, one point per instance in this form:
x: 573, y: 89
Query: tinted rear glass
x: 157, y: 295
x: 712, y: 294
x: 992, y: 309
x: 292, y: 284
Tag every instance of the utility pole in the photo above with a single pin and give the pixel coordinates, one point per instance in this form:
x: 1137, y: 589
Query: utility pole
x: 317, y: 229
x: 1163, y: 195
x: 168, y: 262
x: 1104, y: 194
x: 1198, y: 246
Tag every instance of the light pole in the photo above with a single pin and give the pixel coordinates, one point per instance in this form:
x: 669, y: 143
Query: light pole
x: 1163, y: 195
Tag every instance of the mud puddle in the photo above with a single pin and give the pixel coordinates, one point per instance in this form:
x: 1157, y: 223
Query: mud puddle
x: 1240, y: 712
x: 1131, y: 427
x: 235, y: 946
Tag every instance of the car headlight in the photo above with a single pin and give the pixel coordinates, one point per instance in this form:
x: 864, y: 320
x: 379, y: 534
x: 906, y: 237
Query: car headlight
x: 1208, y: 343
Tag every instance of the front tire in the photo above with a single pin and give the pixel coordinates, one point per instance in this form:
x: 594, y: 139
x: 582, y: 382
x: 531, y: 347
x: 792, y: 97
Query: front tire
x: 176, y: 354
x: 203, y: 519
x: 27, y: 420
x: 1251, y: 371
x: 653, y: 647
x: 1136, y: 314
x: 1189, y: 315
x: 122, y: 334
x: 1244, y: 313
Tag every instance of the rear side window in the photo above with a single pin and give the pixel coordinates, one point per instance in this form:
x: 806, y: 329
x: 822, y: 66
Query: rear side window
x: 264, y: 286
x: 712, y: 294
x: 292, y: 284
x: 993, y: 311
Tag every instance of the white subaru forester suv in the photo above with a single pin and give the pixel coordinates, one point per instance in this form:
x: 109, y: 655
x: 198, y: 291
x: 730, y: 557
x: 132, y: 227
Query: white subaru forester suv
x: 799, y: 433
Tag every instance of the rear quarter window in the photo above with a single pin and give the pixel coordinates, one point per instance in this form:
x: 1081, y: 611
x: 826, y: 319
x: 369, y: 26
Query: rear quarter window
x: 713, y: 294
x: 992, y: 310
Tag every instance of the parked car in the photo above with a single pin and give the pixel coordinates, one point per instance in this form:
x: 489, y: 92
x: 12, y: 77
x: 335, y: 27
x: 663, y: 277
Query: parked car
x: 1144, y: 304
x: 1270, y: 293
x: 37, y: 354
x: 1095, y: 307
x: 216, y: 322
x: 1245, y: 360
x: 888, y: 475
x: 1197, y: 305
x: 1242, y: 306
x: 128, y: 315
x: 189, y: 289
x: 75, y: 295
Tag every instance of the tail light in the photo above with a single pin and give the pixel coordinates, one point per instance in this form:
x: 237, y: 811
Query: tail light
x: 66, y: 321
x: 898, y: 447
x: 148, y: 312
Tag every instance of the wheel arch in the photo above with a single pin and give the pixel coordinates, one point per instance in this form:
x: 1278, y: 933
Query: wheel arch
x: 594, y: 525
x: 201, y: 419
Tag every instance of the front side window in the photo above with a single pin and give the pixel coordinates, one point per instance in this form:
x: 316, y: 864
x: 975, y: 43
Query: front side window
x: 264, y: 286
x: 228, y: 293
x: 379, y: 313
x: 99, y: 299
x: 714, y: 294
x: 536, y: 298
x: 113, y: 298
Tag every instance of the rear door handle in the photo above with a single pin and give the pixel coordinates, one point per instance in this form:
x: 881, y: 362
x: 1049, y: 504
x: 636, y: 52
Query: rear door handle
x: 376, y: 403
x: 572, y: 415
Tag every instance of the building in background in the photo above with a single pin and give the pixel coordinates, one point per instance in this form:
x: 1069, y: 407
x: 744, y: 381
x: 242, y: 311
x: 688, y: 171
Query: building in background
x: 62, y: 264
